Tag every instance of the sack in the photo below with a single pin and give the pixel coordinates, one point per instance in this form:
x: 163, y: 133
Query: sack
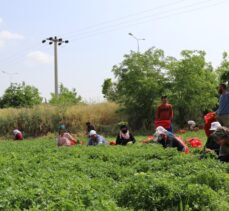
x: 208, y: 119
x: 113, y: 143
x: 194, y: 142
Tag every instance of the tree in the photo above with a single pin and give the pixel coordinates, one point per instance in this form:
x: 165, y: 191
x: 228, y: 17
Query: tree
x: 139, y: 81
x: 65, y: 97
x: 193, y: 86
x: 20, y: 95
x: 223, y: 69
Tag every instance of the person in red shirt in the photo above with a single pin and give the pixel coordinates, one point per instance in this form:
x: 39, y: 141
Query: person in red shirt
x: 165, y: 112
x: 17, y: 134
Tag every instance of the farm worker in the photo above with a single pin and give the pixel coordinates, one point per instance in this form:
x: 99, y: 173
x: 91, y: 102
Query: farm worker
x: 167, y: 139
x: 191, y: 124
x: 89, y: 127
x: 65, y: 138
x: 165, y: 112
x: 221, y: 136
x: 124, y: 136
x: 211, y: 142
x: 95, y: 139
x: 222, y: 113
x: 17, y: 134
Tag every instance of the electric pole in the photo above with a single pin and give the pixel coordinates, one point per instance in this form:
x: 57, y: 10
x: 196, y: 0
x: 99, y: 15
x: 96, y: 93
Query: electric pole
x: 56, y: 41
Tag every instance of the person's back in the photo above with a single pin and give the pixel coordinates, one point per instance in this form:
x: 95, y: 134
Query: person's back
x: 17, y: 134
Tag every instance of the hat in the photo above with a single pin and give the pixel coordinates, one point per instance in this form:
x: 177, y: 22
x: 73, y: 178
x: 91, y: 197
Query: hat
x: 215, y: 126
x: 92, y: 132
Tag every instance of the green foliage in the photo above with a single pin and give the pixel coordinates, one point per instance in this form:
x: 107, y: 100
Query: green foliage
x: 20, y: 95
x: 139, y: 82
x: 37, y: 175
x: 65, y: 97
x: 193, y: 86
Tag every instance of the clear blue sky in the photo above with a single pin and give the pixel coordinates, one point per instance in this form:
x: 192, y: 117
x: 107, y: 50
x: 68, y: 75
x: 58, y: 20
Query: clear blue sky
x: 98, y: 34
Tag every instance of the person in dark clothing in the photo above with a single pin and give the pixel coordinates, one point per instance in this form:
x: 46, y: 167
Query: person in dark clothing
x: 221, y: 136
x: 211, y: 142
x: 124, y: 137
x: 89, y: 127
x: 167, y: 139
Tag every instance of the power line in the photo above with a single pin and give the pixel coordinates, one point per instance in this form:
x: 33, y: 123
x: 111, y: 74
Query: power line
x: 146, y: 21
x: 127, y: 17
x: 137, y: 19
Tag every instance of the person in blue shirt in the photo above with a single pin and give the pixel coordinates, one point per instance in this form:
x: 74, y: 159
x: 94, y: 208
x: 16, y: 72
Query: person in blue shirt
x: 222, y: 113
x: 95, y: 139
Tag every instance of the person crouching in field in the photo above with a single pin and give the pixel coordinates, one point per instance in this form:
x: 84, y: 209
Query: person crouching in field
x: 124, y: 136
x: 211, y: 144
x: 167, y: 139
x: 95, y: 139
x: 221, y: 136
x: 17, y: 134
x: 65, y: 138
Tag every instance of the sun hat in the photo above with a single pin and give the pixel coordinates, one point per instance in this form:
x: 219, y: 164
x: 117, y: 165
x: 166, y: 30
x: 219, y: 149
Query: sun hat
x: 215, y: 126
x: 92, y: 133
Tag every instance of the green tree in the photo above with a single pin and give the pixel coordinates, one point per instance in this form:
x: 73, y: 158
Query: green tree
x: 20, y: 95
x: 223, y: 69
x: 139, y: 81
x: 192, y: 86
x: 65, y: 97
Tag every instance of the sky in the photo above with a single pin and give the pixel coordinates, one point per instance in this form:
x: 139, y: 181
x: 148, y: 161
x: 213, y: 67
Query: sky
x: 97, y: 31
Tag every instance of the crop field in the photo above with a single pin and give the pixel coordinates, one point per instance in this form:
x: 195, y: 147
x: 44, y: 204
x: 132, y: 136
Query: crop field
x: 37, y: 175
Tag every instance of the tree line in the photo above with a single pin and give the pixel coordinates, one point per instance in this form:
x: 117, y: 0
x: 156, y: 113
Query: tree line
x: 141, y: 79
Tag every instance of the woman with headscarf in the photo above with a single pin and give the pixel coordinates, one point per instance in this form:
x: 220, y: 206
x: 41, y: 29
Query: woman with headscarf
x: 167, y: 139
x: 124, y: 136
x: 65, y: 138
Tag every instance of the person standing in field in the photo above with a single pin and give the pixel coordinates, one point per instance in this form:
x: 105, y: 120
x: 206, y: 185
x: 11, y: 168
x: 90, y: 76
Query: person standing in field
x: 65, y: 138
x: 165, y: 112
x: 89, y: 127
x: 222, y: 113
x: 124, y: 136
x: 17, y: 134
x: 95, y: 139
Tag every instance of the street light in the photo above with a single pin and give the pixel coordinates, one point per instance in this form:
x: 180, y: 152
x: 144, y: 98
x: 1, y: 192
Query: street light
x: 137, y: 39
x: 57, y: 41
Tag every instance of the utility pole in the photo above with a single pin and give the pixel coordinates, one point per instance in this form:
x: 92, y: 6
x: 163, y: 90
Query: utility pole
x: 137, y: 39
x: 56, y: 41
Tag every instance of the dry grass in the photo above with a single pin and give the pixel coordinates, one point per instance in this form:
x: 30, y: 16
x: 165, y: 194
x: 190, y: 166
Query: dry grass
x: 43, y: 119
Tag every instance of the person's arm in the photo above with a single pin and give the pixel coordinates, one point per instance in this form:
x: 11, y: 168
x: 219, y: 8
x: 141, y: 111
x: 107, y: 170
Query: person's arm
x: 178, y: 145
x: 118, y: 140
x: 89, y: 142
x: 132, y: 138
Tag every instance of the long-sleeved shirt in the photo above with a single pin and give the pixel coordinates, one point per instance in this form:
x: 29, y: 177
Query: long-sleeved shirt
x: 122, y: 141
x: 164, y: 112
x: 99, y: 140
x: 223, y: 105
